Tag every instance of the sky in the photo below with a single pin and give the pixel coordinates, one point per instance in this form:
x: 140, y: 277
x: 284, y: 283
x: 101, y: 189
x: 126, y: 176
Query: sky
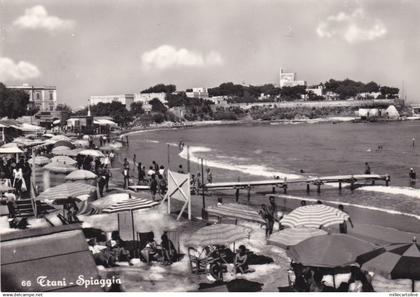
x: 104, y: 47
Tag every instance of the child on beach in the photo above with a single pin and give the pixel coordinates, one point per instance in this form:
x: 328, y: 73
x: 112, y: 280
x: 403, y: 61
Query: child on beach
x: 153, y: 186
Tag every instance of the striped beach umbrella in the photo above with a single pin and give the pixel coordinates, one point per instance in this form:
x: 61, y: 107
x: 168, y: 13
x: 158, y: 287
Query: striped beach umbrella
x: 314, y: 216
x: 66, y: 190
x: 332, y: 250
x: 236, y: 211
x: 58, y: 167
x: 81, y: 143
x: 64, y: 159
x: 130, y: 205
x: 292, y: 236
x: 218, y: 234
x: 39, y: 160
x: 64, y: 143
x: 395, y: 261
x: 81, y: 174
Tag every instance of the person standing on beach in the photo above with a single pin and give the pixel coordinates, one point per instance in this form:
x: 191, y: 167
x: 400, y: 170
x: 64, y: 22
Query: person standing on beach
x: 153, y: 186
x: 343, y: 226
x: 126, y: 173
x: 108, y: 175
x: 134, y: 162
x: 140, y: 175
x: 412, y: 175
x: 111, y: 157
x: 414, y: 141
x: 367, y: 168
x: 209, y: 176
x: 272, y: 211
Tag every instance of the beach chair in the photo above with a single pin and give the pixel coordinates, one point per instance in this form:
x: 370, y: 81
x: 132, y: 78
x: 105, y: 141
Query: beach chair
x: 198, y: 265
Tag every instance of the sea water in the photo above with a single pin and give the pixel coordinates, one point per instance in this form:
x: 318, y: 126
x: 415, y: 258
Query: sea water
x: 262, y: 151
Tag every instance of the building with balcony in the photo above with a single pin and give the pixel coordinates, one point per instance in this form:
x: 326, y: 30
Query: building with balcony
x: 197, y: 93
x: 43, y: 98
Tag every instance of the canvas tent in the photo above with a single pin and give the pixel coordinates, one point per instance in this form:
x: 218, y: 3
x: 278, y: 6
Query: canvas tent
x: 33, y: 253
x: 392, y: 112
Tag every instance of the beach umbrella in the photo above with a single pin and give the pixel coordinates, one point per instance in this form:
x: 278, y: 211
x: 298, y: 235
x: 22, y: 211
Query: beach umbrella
x: 107, y: 148
x: 5, y: 188
x: 39, y: 160
x: 92, y: 153
x: 116, y: 145
x: 332, y: 250
x: 58, y: 167
x: 65, y: 191
x: 218, y: 234
x: 81, y: 175
x: 292, y: 236
x: 236, y: 211
x: 396, y: 260
x: 60, y: 138
x: 10, y: 145
x: 64, y: 143
x: 49, y: 135
x: 73, y: 152
x: 63, y: 159
x: 60, y: 150
x: 81, y: 143
x: 314, y: 216
x: 130, y: 205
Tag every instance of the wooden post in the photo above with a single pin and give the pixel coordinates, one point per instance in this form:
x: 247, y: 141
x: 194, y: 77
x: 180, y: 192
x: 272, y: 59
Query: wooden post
x: 308, y: 188
x: 339, y: 186
x: 188, y: 158
x: 237, y: 194
x: 285, y: 188
x: 352, y: 185
x: 249, y: 193
x: 274, y: 190
x: 33, y: 182
x: 318, y: 187
x: 203, y: 214
x: 168, y: 157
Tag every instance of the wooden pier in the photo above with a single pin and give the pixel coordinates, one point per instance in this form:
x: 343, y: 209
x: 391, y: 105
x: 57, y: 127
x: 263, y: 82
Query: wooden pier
x: 314, y: 181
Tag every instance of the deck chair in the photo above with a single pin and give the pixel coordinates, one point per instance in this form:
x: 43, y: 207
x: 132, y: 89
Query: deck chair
x: 63, y: 219
x: 198, y: 265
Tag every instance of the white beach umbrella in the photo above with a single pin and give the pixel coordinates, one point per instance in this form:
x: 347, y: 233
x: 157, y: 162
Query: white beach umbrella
x: 92, y: 153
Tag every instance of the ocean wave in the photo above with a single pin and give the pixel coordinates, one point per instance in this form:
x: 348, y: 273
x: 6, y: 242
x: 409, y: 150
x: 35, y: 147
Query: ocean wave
x: 253, y: 169
x: 415, y: 193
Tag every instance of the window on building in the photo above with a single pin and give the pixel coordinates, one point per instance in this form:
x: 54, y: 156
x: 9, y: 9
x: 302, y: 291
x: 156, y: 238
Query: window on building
x: 51, y: 96
x: 38, y: 96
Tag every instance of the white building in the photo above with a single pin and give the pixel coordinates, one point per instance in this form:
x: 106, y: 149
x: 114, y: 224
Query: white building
x: 198, y: 93
x: 317, y: 90
x: 42, y: 97
x: 125, y: 99
x: 146, y: 97
x: 288, y: 79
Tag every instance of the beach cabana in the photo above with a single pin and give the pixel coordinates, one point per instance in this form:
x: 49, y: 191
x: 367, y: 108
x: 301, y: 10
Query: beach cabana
x: 13, y: 150
x: 57, y: 252
x: 235, y: 211
x: 81, y: 174
x: 314, y: 216
x: 64, y: 159
x: 218, y: 234
x: 292, y: 236
x: 395, y: 261
x: 330, y: 251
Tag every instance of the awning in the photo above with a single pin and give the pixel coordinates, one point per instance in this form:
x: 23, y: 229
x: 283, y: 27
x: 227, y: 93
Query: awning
x: 10, y: 150
x: 236, y: 211
x: 104, y: 122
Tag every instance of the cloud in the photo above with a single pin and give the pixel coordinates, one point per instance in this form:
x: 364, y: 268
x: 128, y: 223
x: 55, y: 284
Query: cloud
x: 11, y: 71
x: 167, y: 56
x: 353, y: 28
x: 37, y: 18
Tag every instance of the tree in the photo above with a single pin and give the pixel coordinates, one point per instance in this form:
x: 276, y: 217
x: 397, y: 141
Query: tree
x: 115, y: 109
x: 13, y: 103
x: 389, y: 92
x: 371, y: 87
x: 64, y: 107
x: 137, y: 108
x: 157, y: 106
x: 160, y: 88
x: 179, y: 99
